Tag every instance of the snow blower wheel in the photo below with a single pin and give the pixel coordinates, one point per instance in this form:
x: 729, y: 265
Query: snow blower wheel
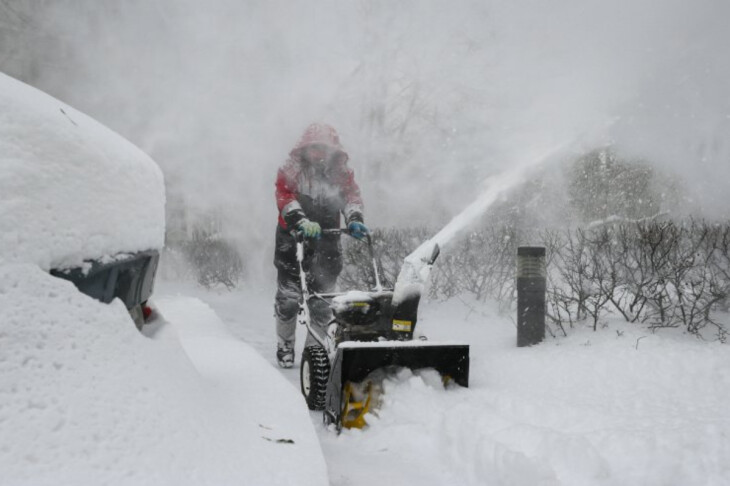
x: 314, y: 373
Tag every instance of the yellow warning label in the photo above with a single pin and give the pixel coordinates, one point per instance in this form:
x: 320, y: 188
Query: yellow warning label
x: 403, y: 326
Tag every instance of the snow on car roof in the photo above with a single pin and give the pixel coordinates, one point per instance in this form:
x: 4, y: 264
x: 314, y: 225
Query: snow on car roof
x: 71, y: 188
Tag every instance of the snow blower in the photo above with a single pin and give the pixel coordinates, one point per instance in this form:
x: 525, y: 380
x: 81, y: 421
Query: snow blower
x: 369, y: 332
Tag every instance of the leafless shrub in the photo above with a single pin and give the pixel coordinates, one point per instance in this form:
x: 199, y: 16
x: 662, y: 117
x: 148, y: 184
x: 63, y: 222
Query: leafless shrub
x: 214, y: 260
x: 661, y: 273
x: 631, y: 295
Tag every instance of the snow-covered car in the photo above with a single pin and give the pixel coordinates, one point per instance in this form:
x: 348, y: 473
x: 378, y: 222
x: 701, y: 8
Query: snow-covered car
x: 77, y: 199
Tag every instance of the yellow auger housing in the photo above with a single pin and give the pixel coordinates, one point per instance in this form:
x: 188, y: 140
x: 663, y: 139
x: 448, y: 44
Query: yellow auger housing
x: 355, y: 409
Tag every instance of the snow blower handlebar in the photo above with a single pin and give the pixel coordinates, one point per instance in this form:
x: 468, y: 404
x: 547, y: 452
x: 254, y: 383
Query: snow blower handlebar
x: 369, y: 241
x: 299, y: 237
x: 304, y: 316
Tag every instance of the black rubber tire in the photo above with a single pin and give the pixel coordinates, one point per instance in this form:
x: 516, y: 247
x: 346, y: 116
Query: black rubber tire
x: 314, y: 371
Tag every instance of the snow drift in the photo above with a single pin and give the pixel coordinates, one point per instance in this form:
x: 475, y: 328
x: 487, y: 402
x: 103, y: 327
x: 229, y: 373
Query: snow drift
x: 86, y: 399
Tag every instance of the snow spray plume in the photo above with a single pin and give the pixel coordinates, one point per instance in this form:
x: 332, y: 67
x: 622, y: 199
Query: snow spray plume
x: 417, y: 266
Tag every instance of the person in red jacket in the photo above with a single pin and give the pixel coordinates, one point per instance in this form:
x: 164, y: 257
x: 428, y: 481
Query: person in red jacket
x: 313, y: 189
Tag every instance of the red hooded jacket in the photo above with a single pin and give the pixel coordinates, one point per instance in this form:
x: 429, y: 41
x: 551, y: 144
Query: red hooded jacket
x: 316, y: 190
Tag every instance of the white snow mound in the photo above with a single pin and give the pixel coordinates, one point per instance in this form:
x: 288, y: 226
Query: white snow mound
x: 86, y: 399
x: 71, y: 188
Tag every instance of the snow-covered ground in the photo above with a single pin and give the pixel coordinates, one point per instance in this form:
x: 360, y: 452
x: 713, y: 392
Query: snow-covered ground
x: 198, y: 399
x: 621, y: 406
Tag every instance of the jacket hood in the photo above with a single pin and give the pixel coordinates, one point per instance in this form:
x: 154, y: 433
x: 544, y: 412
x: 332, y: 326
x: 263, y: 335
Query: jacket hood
x: 319, y: 134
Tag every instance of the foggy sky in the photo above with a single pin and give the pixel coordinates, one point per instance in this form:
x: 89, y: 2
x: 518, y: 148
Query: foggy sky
x: 429, y: 97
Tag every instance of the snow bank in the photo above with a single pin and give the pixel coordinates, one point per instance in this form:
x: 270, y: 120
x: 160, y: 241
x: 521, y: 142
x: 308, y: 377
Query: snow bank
x: 267, y: 417
x: 71, y: 188
x: 86, y: 399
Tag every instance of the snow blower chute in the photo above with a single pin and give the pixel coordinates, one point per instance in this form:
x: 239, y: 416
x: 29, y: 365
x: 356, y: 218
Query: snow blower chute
x: 369, y: 331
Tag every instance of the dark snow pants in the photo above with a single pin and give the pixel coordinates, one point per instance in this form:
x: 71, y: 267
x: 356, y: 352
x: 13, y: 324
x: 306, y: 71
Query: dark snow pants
x: 322, y: 264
